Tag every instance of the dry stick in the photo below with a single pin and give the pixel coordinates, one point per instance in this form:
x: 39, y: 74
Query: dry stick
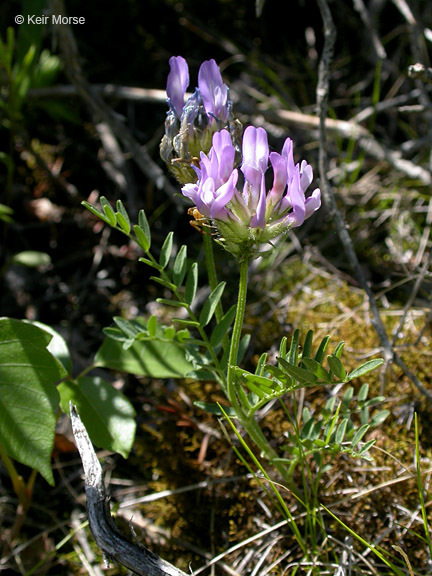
x: 379, y: 49
x: 110, y: 540
x: 362, y: 136
x: 100, y: 109
x: 322, y: 107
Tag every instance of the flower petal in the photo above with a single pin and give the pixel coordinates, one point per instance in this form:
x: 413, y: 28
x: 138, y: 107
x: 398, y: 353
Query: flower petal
x: 258, y: 220
x: 313, y: 203
x: 280, y: 176
x: 177, y: 83
x: 214, y: 92
x: 218, y: 209
x: 296, y: 197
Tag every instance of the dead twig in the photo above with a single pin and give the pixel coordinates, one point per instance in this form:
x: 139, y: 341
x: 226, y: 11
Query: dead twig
x: 100, y: 110
x: 110, y: 540
x: 329, y: 198
x: 350, y: 129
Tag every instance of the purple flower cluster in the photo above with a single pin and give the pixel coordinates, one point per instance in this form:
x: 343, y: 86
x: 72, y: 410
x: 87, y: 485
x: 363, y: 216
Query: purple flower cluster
x: 245, y: 213
x: 212, y: 93
x: 191, y: 122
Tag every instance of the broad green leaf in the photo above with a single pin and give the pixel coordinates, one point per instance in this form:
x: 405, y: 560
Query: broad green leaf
x: 108, y: 211
x: 210, y: 304
x: 223, y: 327
x: 145, y: 228
x: 179, y: 267
x: 365, y: 368
x: 153, y: 358
x: 166, y: 250
x: 31, y: 259
x: 57, y: 347
x: 191, y: 283
x: 106, y: 413
x: 336, y: 367
x: 28, y: 394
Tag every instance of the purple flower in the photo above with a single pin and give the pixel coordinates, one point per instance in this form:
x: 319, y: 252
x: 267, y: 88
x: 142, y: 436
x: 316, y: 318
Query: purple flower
x: 213, y: 91
x: 217, y: 179
x: 190, y: 125
x: 177, y: 83
x: 249, y: 215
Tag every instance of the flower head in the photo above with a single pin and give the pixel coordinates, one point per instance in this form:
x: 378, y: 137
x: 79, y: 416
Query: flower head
x: 190, y: 125
x: 244, y: 212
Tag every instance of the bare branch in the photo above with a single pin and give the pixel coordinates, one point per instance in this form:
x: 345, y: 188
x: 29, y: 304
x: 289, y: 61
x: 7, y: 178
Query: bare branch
x: 110, y: 540
x: 329, y: 198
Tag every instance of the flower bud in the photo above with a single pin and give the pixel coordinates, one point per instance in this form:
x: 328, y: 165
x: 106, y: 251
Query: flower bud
x: 190, y: 125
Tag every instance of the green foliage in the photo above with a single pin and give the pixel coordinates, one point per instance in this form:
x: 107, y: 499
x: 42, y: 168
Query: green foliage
x: 35, y: 377
x: 31, y: 259
x: 5, y: 211
x: 28, y: 377
x: 145, y: 350
x: 107, y: 415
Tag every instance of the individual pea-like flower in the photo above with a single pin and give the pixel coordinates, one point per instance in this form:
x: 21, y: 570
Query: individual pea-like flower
x: 237, y: 202
x: 190, y: 124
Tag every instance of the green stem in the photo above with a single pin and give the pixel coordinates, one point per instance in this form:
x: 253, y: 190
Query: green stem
x: 17, y: 481
x: 249, y: 423
x: 238, y: 325
x: 212, y: 277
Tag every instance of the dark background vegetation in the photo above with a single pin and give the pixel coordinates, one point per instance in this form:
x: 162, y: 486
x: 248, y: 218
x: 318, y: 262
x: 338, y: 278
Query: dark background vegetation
x: 94, y: 273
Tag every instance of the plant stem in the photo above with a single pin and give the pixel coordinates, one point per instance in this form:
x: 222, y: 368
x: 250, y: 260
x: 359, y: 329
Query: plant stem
x: 238, y: 325
x: 17, y: 481
x: 212, y: 278
x: 249, y: 423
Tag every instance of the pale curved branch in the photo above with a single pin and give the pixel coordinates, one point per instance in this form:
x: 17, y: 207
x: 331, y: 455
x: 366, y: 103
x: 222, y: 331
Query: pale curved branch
x: 114, y: 545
